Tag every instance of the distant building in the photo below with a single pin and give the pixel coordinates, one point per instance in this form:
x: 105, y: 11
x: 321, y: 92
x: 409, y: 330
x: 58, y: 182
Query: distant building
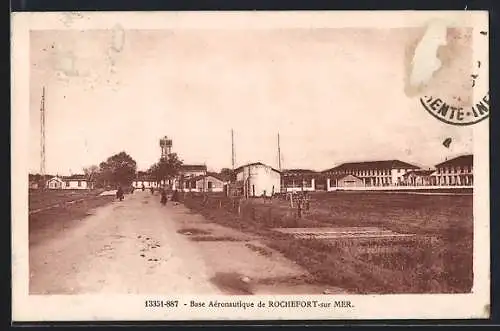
x: 455, y: 172
x: 77, y: 182
x: 257, y: 179
x: 298, y: 180
x: 55, y: 183
x: 143, y: 179
x: 193, y: 170
x: 211, y: 182
x: 73, y: 182
x: 373, y: 173
x: 344, y: 181
x: 419, y: 178
x: 186, y: 172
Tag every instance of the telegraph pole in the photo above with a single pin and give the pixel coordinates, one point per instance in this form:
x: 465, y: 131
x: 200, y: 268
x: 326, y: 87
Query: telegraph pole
x: 279, y: 153
x: 42, y: 136
x: 232, y: 149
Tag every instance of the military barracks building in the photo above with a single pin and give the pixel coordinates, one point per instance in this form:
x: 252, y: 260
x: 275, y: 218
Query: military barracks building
x: 379, y: 174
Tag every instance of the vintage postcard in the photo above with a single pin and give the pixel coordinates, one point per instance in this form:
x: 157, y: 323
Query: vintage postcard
x: 250, y: 166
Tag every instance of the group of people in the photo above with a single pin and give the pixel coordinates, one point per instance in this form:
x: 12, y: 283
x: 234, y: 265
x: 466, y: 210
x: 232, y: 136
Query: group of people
x: 162, y: 190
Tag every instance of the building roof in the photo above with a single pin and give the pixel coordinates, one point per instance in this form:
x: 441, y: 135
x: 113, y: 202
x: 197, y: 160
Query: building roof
x: 369, y: 165
x: 420, y: 172
x: 462, y: 160
x: 340, y: 176
x: 194, y: 167
x: 56, y: 179
x: 197, y: 178
x: 298, y: 171
x: 215, y: 175
x: 254, y: 164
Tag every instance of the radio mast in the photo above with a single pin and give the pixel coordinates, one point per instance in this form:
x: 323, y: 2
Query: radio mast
x: 279, y: 153
x: 232, y: 149
x: 42, y: 135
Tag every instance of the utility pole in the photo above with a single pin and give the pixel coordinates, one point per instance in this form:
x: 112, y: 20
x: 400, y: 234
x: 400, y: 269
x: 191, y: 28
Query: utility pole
x: 232, y: 149
x: 42, y: 136
x: 279, y: 153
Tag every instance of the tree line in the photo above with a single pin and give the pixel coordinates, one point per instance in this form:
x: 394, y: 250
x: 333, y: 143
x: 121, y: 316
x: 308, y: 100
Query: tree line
x: 121, y: 169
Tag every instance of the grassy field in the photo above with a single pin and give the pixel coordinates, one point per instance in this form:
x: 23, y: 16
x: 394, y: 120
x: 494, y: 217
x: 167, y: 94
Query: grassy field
x: 52, y: 222
x: 439, y: 260
x: 45, y: 198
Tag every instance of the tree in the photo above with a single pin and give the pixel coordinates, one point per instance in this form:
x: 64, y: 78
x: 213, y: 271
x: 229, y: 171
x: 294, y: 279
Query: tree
x: 166, y: 168
x: 153, y: 172
x: 91, y: 174
x: 118, y: 169
x: 170, y: 166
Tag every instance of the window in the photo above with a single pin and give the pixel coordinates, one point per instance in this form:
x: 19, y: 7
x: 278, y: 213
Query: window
x: 79, y: 184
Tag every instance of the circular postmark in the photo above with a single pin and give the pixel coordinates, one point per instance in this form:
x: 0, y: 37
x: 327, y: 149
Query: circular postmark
x: 450, y: 114
x: 449, y: 67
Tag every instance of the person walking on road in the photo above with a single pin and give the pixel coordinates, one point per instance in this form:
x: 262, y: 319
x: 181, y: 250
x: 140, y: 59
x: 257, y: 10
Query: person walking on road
x: 163, y: 196
x: 119, y: 193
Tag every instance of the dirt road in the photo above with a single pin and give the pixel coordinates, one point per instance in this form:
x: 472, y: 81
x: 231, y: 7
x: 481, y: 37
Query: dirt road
x: 124, y: 247
x: 139, y: 246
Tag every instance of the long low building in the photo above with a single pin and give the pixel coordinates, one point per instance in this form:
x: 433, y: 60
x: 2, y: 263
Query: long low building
x: 211, y: 182
x: 371, y: 173
x: 293, y: 180
x: 73, y: 182
x: 457, y: 171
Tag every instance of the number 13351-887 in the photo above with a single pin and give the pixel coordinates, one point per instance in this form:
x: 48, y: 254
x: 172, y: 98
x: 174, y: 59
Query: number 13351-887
x: 161, y: 303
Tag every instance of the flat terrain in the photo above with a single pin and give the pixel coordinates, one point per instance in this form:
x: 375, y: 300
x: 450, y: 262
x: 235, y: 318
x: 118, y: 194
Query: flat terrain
x: 438, y: 259
x: 44, y: 198
x: 214, y: 245
x: 139, y: 246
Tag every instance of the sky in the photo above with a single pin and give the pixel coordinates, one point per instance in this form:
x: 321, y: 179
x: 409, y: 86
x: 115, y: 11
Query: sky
x: 334, y: 95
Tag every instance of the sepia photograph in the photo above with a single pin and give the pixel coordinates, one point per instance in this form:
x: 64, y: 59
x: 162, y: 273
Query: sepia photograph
x: 250, y: 166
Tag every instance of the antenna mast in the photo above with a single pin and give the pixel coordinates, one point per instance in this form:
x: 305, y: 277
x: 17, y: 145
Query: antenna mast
x: 279, y: 153
x: 42, y: 134
x: 232, y: 148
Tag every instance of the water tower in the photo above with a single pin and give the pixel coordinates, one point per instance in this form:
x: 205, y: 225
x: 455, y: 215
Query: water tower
x: 166, y: 146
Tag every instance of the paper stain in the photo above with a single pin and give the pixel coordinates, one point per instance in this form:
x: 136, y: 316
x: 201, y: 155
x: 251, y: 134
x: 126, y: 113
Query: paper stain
x: 68, y: 18
x: 118, y: 38
x: 425, y: 60
x: 65, y: 65
x: 116, y: 47
x: 439, y: 64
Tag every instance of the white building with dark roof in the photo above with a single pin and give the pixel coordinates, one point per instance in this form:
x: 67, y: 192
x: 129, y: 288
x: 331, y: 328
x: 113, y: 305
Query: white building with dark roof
x: 73, y: 182
x: 372, y: 173
x: 457, y: 171
x: 293, y: 180
x: 258, y: 179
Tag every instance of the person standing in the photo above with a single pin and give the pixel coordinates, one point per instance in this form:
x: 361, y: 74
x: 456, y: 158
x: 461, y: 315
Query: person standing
x: 119, y: 193
x: 163, y: 196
